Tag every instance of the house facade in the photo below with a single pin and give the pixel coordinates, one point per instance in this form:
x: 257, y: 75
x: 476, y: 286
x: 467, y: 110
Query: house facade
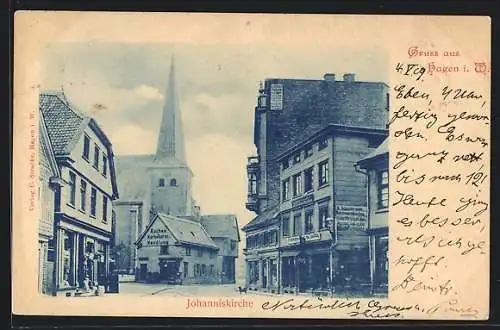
x: 376, y: 167
x: 310, y: 203
x: 49, y: 183
x: 83, y: 204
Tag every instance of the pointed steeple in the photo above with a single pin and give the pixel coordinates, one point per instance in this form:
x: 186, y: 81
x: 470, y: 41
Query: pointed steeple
x: 171, y: 138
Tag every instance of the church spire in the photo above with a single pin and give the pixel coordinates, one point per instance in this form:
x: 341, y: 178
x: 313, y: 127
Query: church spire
x: 171, y: 138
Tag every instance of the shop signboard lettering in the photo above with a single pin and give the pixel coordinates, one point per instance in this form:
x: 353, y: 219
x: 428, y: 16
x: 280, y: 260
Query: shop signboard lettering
x: 156, y: 237
x: 276, y: 97
x: 351, y: 218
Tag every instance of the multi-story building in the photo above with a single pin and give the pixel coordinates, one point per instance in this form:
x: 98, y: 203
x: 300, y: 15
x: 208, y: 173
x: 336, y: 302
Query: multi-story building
x: 49, y: 183
x: 160, y: 184
x: 297, y: 122
x: 376, y: 167
x: 83, y: 204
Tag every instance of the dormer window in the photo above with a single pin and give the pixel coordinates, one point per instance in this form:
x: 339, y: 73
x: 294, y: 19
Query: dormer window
x: 296, y: 158
x: 323, y: 144
x: 161, y: 182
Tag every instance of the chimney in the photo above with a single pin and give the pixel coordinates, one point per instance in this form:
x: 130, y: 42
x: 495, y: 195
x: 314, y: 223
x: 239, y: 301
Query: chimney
x: 349, y: 77
x: 329, y: 76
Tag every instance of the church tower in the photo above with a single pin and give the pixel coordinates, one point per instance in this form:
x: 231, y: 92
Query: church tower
x: 170, y: 176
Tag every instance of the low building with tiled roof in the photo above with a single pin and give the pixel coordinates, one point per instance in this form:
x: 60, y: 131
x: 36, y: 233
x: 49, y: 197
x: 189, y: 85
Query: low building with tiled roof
x: 83, y: 205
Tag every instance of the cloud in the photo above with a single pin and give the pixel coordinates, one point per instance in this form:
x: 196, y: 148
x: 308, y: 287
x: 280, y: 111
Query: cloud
x: 133, y: 139
x: 148, y: 92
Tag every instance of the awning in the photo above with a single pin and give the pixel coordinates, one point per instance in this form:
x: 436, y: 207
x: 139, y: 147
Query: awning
x: 289, y: 254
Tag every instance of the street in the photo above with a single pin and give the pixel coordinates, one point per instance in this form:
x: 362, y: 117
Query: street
x: 155, y: 289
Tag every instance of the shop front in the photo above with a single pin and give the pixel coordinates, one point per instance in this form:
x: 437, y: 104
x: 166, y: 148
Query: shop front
x: 82, y: 260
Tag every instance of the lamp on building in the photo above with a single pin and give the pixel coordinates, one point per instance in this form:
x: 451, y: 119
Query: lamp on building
x: 331, y: 224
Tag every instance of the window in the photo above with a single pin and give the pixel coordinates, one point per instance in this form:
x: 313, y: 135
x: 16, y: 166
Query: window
x: 323, y: 173
x: 286, y: 163
x: 252, y: 184
x: 173, y: 183
x: 83, y: 194
x: 234, y: 244
x: 309, y: 221
x: 387, y: 101
x: 383, y: 193
x: 297, y: 185
x: 323, y: 215
x: 164, y: 250
x: 104, y: 164
x: 93, y: 200
x: 200, y: 253
x: 72, y: 188
x: 286, y: 189
x: 203, y: 270
x: 161, y: 183
x: 323, y: 144
x: 308, y: 179
x: 211, y: 270
x: 104, y: 208
x: 97, y: 153
x: 309, y: 151
x: 86, y: 147
x: 297, y: 228
x: 296, y: 158
x: 188, y: 251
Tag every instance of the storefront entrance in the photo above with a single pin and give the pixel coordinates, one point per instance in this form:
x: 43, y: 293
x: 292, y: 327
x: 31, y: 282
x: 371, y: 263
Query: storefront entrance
x: 169, y: 271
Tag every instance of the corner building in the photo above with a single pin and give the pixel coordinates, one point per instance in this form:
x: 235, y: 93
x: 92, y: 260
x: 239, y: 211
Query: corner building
x: 309, y: 134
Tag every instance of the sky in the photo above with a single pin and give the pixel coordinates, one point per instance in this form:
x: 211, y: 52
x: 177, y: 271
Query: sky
x: 123, y: 86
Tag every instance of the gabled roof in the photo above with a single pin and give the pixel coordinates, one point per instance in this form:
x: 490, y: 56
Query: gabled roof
x: 65, y: 125
x: 381, y: 151
x: 183, y: 230
x: 46, y: 146
x: 263, y: 219
x: 132, y: 176
x: 221, y: 225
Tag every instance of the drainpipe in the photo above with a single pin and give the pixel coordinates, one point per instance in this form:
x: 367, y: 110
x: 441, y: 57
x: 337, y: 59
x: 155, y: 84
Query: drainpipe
x: 370, y: 243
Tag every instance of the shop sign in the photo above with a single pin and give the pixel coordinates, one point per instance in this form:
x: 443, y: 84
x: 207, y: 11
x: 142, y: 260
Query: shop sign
x: 351, y: 218
x: 156, y: 237
x: 276, y: 97
x: 312, y: 237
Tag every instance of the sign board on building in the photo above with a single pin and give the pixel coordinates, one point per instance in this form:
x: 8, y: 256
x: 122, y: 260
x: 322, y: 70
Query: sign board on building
x: 351, y: 218
x: 294, y: 240
x: 276, y: 96
x: 312, y: 237
x: 156, y: 237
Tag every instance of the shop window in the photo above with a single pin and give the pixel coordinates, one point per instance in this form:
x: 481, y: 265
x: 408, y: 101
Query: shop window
x: 309, y: 227
x: 383, y: 193
x: 86, y: 147
x: 323, y: 173
x: 297, y: 185
x: 308, y: 179
x: 72, y: 188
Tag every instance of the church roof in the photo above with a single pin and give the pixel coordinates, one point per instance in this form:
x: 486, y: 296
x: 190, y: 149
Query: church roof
x: 183, y: 230
x: 221, y: 225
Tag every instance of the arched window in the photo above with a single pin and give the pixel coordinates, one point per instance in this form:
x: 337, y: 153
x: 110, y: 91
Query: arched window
x: 161, y: 182
x: 173, y: 182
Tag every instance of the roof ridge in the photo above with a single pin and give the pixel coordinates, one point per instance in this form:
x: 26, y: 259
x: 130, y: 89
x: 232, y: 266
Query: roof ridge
x: 62, y: 97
